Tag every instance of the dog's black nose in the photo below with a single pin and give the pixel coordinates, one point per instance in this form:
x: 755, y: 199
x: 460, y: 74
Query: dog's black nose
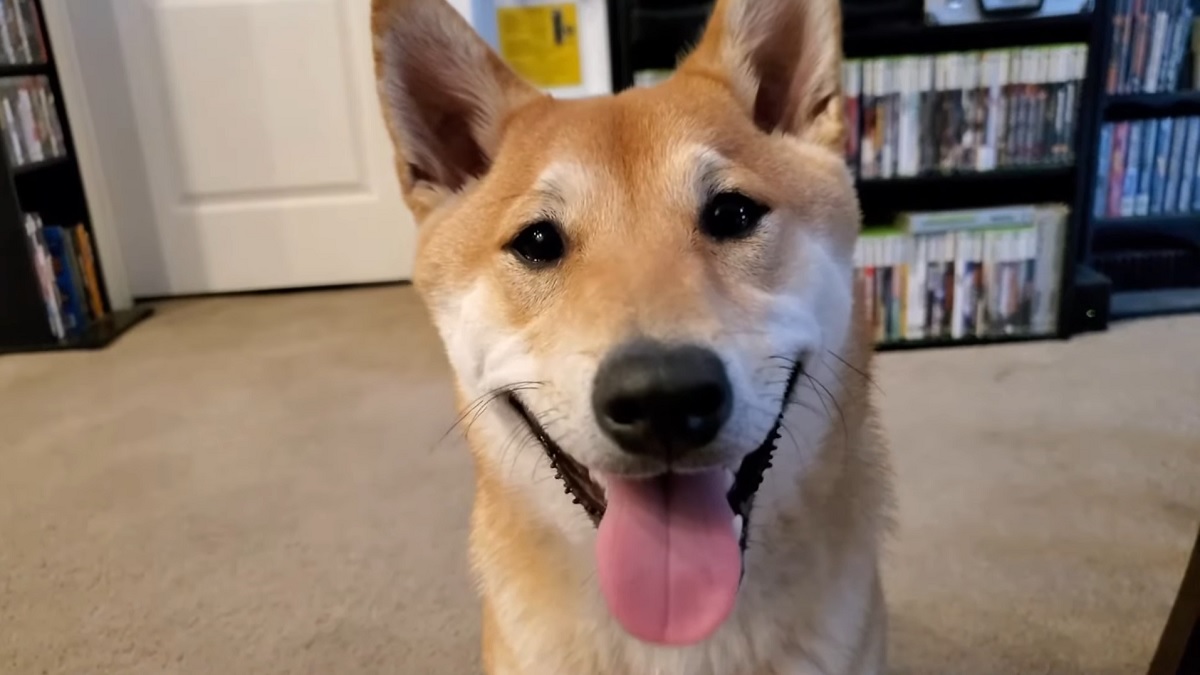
x: 661, y: 400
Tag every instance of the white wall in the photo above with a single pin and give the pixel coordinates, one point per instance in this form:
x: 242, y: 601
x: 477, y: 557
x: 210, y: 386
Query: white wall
x: 107, y: 117
x: 592, y: 16
x: 73, y: 44
x: 463, y: 7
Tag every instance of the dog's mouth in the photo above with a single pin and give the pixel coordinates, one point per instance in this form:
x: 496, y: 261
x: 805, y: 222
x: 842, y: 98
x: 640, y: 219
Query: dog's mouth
x: 670, y: 548
x: 588, y: 494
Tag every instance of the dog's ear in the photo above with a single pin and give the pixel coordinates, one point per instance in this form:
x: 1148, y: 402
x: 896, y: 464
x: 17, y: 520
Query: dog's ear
x: 445, y: 95
x: 782, y: 59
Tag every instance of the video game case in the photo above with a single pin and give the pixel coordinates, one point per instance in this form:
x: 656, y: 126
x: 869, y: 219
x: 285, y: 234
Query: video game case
x: 1112, y: 83
x: 1144, y: 18
x: 1116, y: 171
x: 1175, y: 166
x: 867, y: 167
x: 29, y: 117
x: 1179, y: 48
x: 1146, y: 171
x: 44, y: 267
x: 1158, y: 191
x: 67, y: 278
x: 1190, y: 154
x: 1132, y: 164
x: 1103, y: 168
x: 852, y: 86
x: 22, y: 40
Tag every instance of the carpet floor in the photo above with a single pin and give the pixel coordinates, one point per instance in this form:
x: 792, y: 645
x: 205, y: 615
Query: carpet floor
x: 259, y: 485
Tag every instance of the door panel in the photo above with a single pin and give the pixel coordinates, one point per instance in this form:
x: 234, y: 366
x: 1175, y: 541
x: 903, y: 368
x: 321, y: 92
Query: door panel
x: 276, y: 100
x: 268, y: 161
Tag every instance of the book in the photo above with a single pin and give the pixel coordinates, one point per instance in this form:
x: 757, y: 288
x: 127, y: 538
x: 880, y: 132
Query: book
x: 90, y: 276
x: 44, y: 268
x: 67, y: 278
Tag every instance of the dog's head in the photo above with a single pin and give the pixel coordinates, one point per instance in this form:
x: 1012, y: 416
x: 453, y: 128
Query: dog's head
x: 643, y: 279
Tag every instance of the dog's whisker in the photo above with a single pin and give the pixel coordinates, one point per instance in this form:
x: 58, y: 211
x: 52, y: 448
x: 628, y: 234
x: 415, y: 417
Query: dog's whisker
x: 856, y: 369
x: 477, y: 407
x: 832, y: 399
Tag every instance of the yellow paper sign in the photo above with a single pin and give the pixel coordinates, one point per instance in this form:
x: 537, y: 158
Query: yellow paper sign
x: 541, y: 42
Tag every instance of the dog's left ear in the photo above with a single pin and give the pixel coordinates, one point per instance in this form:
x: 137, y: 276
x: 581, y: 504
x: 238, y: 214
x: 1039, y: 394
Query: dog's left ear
x: 783, y: 60
x: 446, y: 97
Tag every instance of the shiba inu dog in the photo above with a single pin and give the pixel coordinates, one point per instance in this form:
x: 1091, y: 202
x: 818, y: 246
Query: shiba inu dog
x: 648, y: 303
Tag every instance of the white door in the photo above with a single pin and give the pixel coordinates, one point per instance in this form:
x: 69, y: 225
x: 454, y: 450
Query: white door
x: 265, y: 153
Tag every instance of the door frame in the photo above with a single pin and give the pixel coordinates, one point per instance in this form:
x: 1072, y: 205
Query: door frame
x: 56, y: 22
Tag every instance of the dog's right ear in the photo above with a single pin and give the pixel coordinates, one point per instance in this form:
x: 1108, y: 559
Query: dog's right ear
x: 445, y: 95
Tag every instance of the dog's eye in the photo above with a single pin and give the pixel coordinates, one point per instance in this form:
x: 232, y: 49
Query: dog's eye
x: 730, y: 215
x: 539, y: 244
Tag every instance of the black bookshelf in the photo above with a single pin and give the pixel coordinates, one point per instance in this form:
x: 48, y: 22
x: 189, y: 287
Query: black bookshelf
x: 652, y: 34
x: 918, y: 38
x: 54, y: 189
x: 883, y: 198
x: 1123, y: 107
x: 1151, y: 261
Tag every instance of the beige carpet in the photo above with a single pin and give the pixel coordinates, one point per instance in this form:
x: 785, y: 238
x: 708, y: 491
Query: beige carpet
x: 255, y: 485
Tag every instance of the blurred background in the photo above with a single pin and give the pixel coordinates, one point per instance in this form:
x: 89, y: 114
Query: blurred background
x: 222, y: 407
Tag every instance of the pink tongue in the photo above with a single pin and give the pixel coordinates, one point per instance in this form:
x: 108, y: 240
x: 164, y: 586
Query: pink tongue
x: 668, y: 560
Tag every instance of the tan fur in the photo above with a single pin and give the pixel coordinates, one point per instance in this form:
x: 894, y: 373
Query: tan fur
x: 480, y: 154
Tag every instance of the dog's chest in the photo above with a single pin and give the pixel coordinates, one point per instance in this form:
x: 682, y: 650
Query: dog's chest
x: 608, y: 651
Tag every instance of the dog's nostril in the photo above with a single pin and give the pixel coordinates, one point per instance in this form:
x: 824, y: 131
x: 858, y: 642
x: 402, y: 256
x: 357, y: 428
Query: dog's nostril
x: 625, y: 411
x: 708, y: 399
x: 658, y: 399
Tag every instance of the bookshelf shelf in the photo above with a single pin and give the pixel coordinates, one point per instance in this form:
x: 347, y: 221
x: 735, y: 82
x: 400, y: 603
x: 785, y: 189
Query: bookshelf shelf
x: 1030, y: 174
x: 97, y: 336
x: 44, y: 164
x: 1185, y: 227
x: 967, y: 341
x: 922, y: 39
x: 20, y: 69
x: 1128, y: 107
x: 1161, y: 302
x: 882, y: 198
